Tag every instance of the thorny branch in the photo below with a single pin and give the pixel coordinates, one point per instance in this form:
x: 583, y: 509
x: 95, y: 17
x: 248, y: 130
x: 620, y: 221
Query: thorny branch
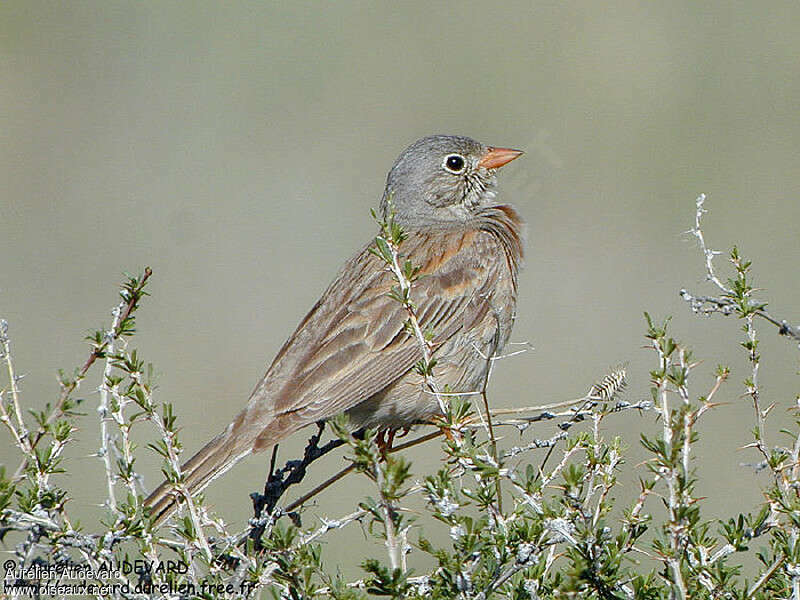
x: 725, y: 304
x: 387, y: 247
x: 605, y: 390
x: 280, y: 480
x: 99, y: 350
x: 106, y: 443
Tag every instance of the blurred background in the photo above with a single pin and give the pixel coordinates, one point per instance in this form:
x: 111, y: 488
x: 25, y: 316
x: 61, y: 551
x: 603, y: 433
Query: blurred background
x: 237, y: 149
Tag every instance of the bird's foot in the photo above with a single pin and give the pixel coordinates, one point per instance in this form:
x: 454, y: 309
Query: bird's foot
x: 385, y: 438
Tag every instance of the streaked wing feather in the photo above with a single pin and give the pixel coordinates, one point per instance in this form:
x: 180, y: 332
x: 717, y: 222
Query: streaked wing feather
x: 365, y: 346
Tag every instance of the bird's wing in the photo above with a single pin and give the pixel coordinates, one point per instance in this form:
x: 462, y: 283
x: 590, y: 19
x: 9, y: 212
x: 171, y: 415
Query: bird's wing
x: 354, y: 342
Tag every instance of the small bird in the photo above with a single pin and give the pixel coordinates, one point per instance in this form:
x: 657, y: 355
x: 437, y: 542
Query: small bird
x: 352, y: 352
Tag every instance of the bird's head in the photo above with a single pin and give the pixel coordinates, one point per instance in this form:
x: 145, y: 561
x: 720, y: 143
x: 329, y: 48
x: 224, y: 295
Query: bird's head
x: 443, y: 179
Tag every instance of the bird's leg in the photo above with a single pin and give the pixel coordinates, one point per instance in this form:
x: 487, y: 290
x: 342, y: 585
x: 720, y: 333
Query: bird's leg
x: 385, y: 438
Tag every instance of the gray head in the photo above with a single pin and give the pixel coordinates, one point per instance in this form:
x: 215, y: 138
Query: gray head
x: 443, y: 179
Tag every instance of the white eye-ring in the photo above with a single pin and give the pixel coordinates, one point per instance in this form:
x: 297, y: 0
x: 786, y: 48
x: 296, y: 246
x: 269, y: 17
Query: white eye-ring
x: 454, y: 163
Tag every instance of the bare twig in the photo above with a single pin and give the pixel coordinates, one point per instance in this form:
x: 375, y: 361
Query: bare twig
x: 349, y: 468
x: 279, y: 481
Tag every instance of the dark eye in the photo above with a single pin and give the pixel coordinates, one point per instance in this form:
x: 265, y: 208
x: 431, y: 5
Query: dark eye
x: 454, y: 163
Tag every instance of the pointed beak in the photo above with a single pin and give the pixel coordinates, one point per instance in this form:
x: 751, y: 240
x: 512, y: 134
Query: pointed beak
x: 497, y: 157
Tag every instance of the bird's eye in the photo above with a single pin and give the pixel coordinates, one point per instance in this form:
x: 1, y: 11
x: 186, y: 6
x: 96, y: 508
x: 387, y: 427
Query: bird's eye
x: 454, y: 163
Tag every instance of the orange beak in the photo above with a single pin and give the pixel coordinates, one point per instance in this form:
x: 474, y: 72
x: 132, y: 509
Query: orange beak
x: 497, y: 157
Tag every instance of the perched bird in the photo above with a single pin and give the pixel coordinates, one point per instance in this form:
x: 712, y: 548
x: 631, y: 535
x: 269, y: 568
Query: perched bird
x: 352, y: 352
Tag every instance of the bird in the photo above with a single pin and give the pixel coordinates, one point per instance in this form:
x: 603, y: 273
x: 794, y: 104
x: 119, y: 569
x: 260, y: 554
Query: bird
x: 352, y: 353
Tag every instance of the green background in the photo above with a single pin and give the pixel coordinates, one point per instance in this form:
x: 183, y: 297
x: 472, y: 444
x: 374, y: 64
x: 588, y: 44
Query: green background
x: 237, y: 149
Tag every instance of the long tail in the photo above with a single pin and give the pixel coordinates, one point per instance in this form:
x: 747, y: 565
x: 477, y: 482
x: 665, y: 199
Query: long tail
x: 215, y: 458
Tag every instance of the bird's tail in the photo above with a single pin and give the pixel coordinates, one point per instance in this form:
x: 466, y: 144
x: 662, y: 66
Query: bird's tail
x: 214, y: 459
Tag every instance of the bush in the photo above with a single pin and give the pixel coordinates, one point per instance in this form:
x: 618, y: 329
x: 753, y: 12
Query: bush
x: 544, y: 528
